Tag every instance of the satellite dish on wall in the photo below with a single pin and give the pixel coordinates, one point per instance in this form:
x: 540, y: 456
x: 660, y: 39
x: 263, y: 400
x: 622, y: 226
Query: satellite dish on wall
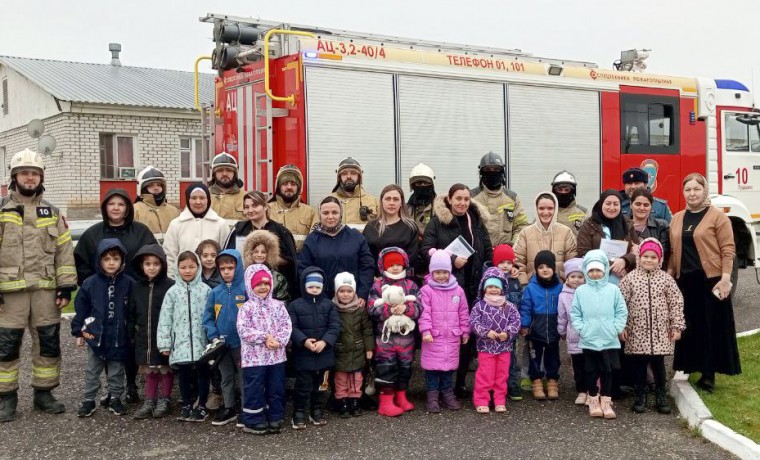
x: 46, y: 145
x: 35, y: 128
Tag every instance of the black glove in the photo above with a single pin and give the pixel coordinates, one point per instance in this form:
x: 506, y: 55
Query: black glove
x: 64, y: 293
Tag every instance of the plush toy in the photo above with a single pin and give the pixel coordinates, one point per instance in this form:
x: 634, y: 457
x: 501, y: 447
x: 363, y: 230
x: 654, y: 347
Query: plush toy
x: 395, y: 324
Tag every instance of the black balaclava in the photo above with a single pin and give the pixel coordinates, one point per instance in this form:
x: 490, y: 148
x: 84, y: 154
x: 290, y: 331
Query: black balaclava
x: 564, y: 199
x: 422, y: 196
x: 493, y: 180
x: 189, y: 192
x: 158, y: 197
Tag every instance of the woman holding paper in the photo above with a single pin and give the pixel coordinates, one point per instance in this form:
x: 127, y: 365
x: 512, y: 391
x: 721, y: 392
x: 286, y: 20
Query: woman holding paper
x: 459, y: 225
x: 545, y: 234
x: 609, y: 230
x: 702, y: 259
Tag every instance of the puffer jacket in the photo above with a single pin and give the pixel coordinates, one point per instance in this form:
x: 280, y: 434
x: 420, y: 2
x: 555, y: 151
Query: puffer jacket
x: 187, y: 231
x: 355, y: 340
x: 379, y: 313
x: 101, y: 309
x: 313, y: 317
x: 180, y: 324
x: 155, y: 217
x: 444, y: 228
x: 270, y: 241
x: 485, y: 317
x: 145, y: 307
x: 659, y: 229
x: 220, y: 316
x: 445, y: 317
x: 598, y: 311
x: 351, y: 205
x: 564, y: 326
x: 655, y: 307
x: 538, y: 310
x: 557, y: 238
x: 259, y: 318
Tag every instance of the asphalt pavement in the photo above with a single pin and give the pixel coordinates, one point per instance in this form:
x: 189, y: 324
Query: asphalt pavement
x: 529, y: 429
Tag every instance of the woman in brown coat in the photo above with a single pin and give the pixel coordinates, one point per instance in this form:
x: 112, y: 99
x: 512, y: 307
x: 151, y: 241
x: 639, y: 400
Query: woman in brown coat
x: 655, y: 321
x: 702, y: 258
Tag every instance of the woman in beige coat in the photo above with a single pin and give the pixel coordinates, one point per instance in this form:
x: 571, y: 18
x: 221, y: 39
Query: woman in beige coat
x: 545, y: 234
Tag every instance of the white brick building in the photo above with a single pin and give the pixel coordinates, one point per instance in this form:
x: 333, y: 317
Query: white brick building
x: 109, y: 122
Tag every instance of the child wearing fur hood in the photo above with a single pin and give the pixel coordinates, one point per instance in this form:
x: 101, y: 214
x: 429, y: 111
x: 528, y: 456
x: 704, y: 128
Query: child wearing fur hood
x: 263, y: 247
x: 655, y: 321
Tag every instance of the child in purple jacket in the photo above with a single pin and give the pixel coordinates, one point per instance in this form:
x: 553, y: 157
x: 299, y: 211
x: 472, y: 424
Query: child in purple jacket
x: 496, y: 322
x: 573, y: 279
x: 444, y: 324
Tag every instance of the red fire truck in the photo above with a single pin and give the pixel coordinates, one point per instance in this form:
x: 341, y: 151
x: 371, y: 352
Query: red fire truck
x: 311, y: 96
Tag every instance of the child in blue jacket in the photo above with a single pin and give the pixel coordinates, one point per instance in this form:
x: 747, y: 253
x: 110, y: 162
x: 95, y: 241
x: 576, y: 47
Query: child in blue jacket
x: 538, y: 320
x: 220, y: 320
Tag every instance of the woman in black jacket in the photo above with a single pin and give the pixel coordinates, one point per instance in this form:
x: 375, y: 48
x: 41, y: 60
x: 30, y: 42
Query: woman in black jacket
x: 646, y: 225
x: 456, y: 215
x: 393, y: 226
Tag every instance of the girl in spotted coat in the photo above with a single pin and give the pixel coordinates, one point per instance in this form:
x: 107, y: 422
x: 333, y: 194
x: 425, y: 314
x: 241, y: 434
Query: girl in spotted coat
x: 655, y: 321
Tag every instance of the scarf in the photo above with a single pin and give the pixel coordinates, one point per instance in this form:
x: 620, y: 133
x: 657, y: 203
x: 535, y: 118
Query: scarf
x: 452, y: 281
x: 706, y: 199
x: 189, y: 192
x: 329, y: 231
x: 551, y: 282
x: 495, y: 300
x: 349, y: 307
x: 617, y: 224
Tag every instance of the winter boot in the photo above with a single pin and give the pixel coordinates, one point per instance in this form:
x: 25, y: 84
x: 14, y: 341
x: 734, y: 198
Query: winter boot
x: 44, y: 401
x: 663, y: 405
x: 402, y: 402
x: 146, y: 411
x: 581, y: 399
x: 552, y: 390
x: 449, y: 400
x: 162, y: 408
x: 387, y: 407
x: 432, y: 402
x: 133, y: 395
x: 8, y: 404
x: 594, y: 407
x: 606, y: 406
x: 538, y: 390
x: 343, y: 408
x: 640, y: 403
x: 353, y: 407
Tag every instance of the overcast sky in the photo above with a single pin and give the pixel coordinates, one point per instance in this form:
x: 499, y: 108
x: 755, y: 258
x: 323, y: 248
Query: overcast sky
x: 715, y: 39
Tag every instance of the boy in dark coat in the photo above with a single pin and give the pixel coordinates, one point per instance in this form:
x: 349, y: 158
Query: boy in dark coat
x: 101, y: 323
x: 316, y: 327
x: 149, y: 265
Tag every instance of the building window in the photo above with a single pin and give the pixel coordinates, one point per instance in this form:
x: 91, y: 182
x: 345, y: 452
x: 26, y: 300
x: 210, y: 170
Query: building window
x: 117, y: 156
x: 649, y: 124
x: 192, y: 165
x: 3, y: 163
x: 5, y: 96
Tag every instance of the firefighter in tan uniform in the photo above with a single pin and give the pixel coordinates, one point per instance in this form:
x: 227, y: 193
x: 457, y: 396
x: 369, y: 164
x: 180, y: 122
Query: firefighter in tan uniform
x: 37, y: 276
x: 507, y: 214
x: 359, y: 207
x: 151, y: 207
x: 570, y: 213
x: 225, y: 188
x: 286, y: 207
x: 420, y: 204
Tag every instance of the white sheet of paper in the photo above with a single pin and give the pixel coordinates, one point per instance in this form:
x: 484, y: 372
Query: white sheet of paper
x: 239, y: 243
x: 460, y: 248
x: 614, y: 248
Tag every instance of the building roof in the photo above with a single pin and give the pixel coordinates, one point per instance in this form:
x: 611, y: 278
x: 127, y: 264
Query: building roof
x: 117, y: 85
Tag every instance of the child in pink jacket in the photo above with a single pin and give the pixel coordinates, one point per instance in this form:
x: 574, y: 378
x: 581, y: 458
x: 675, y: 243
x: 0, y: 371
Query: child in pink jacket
x: 444, y: 323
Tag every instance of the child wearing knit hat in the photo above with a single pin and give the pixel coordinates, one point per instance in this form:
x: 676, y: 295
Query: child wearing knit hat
x: 355, y: 345
x: 573, y: 279
x: 444, y: 325
x: 504, y: 260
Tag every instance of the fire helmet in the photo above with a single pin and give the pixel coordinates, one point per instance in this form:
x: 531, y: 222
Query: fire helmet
x: 148, y: 175
x: 564, y: 177
x: 347, y: 163
x: 26, y: 159
x: 421, y: 172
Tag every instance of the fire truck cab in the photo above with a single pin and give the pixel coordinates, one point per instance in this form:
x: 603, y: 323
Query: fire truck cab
x: 310, y: 96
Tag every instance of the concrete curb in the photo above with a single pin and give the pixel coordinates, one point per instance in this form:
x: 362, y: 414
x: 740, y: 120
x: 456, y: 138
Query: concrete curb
x: 698, y: 416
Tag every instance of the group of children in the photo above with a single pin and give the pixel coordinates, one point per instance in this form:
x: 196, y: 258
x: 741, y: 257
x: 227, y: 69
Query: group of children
x: 236, y: 302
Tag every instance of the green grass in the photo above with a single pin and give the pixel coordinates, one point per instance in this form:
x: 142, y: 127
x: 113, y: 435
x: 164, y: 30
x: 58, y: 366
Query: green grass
x: 70, y: 307
x: 735, y: 402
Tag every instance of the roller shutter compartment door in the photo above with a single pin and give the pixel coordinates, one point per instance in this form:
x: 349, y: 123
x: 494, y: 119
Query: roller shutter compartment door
x: 349, y: 113
x: 449, y: 125
x: 551, y: 129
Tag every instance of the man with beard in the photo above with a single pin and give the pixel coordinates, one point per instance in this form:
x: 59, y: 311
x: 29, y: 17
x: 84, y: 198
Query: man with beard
x: 225, y: 188
x: 151, y: 207
x: 507, y: 216
x: 359, y: 207
x: 37, y: 277
x: 571, y: 214
x: 634, y: 178
x: 286, y: 207
x: 420, y: 204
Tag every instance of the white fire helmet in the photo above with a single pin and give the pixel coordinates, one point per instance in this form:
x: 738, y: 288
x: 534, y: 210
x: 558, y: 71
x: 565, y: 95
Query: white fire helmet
x: 26, y: 159
x: 421, y: 172
x: 564, y: 177
x: 148, y: 175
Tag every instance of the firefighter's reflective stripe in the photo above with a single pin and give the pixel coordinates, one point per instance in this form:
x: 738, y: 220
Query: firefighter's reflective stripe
x: 46, y: 284
x: 46, y: 221
x: 576, y: 216
x: 11, y: 218
x: 523, y: 219
x: 66, y: 270
x: 12, y: 285
x: 9, y: 376
x: 45, y: 372
x: 63, y: 239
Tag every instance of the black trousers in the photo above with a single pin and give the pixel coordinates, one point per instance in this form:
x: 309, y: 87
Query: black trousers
x: 640, y: 363
x: 579, y: 373
x: 307, y: 391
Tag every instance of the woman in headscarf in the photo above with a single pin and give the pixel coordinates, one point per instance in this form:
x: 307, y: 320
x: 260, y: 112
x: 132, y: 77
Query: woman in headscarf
x: 197, y: 222
x: 702, y: 258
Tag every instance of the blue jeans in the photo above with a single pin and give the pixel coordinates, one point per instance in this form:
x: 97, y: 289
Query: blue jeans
x: 439, y: 380
x: 549, y: 352
x: 263, y: 394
